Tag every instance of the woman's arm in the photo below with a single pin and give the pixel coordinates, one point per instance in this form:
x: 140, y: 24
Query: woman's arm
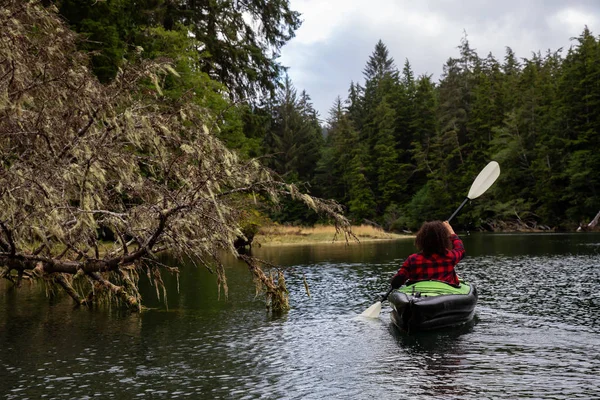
x: 458, y: 249
x: 401, y: 276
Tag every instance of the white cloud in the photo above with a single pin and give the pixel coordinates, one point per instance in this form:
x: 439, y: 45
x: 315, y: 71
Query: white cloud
x: 320, y: 18
x: 573, y: 20
x: 337, y: 36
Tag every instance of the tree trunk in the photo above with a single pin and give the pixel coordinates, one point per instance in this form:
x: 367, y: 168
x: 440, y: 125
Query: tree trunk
x: 591, y: 225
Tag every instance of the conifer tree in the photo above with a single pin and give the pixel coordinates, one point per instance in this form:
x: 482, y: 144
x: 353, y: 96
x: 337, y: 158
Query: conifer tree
x: 425, y: 128
x: 581, y: 102
x: 333, y: 170
x: 381, y: 81
x: 548, y: 163
x: 362, y: 201
x: 511, y: 69
x: 310, y: 138
x: 486, y: 112
x: 388, y: 169
x: 295, y: 139
x: 404, y: 103
x: 240, y: 40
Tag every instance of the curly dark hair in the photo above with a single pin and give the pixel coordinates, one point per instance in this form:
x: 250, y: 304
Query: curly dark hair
x: 433, y: 238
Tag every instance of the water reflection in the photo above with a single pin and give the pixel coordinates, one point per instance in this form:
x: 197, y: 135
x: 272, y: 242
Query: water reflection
x: 438, y: 355
x: 535, y: 335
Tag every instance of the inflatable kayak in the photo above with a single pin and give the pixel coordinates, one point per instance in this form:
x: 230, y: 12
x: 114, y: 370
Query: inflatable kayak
x: 427, y: 305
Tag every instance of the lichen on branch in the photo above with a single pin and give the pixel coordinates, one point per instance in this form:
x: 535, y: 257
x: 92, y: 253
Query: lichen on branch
x: 81, y: 162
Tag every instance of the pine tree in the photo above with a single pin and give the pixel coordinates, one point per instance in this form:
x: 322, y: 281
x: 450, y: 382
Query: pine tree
x: 404, y: 102
x: 379, y: 64
x: 355, y: 106
x: 581, y: 102
x: 381, y: 81
x: 486, y: 112
x: 362, y: 202
x: 455, y: 140
x: 425, y: 128
x: 281, y: 141
x: 381, y: 76
x: 452, y: 115
x: 295, y: 139
x: 333, y: 170
x: 548, y: 163
x: 511, y: 69
x: 240, y: 40
x: 310, y: 138
x: 388, y: 168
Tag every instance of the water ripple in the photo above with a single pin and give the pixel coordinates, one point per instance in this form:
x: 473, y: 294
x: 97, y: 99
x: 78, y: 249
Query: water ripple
x: 535, y: 335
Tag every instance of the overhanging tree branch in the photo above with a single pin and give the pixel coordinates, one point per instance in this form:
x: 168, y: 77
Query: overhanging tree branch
x: 131, y: 162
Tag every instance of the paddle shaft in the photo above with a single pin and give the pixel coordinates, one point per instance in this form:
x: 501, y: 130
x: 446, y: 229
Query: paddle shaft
x: 486, y: 178
x: 458, y: 209
x: 385, y: 296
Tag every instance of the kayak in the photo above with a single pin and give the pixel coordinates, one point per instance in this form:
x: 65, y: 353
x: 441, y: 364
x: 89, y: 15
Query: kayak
x: 428, y: 305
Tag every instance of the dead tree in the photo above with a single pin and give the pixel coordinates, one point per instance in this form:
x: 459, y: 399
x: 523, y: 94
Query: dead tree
x: 593, y: 223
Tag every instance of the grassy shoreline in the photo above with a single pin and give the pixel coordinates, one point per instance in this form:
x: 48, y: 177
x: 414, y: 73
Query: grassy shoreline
x: 278, y: 235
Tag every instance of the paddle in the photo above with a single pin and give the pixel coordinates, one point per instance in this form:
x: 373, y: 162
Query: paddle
x: 484, y: 180
x: 375, y: 309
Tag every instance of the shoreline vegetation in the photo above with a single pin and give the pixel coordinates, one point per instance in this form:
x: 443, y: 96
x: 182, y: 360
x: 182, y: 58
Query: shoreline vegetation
x: 280, y: 235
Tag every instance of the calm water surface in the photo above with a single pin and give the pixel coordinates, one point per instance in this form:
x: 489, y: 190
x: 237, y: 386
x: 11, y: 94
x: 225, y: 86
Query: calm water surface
x: 536, y: 333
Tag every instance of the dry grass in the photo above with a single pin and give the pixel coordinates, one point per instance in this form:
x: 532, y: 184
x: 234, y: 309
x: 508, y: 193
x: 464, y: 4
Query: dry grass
x: 280, y: 235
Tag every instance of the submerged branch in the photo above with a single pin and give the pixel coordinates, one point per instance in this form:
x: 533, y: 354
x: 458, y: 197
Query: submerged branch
x: 133, y: 302
x: 68, y: 288
x: 273, y: 284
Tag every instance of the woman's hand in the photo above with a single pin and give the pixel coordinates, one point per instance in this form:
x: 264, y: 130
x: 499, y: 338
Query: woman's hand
x: 449, y: 227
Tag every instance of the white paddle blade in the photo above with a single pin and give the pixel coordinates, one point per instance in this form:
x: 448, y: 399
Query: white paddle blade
x: 484, y: 180
x: 373, y: 311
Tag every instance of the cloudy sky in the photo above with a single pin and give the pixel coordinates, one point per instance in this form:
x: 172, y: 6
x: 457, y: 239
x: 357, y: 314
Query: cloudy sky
x: 336, y: 38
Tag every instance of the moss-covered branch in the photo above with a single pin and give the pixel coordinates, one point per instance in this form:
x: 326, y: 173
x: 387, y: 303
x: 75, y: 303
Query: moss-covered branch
x: 95, y: 180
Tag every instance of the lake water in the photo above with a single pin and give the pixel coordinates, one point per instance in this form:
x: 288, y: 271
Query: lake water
x: 536, y: 333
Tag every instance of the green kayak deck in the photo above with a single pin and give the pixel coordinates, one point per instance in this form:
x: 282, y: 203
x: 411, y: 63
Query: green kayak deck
x: 434, y: 288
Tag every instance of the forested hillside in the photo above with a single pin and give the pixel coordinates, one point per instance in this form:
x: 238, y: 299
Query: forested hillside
x: 402, y: 149
x: 398, y: 148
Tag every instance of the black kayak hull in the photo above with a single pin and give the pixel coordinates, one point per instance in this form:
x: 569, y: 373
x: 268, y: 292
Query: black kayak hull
x: 414, y: 310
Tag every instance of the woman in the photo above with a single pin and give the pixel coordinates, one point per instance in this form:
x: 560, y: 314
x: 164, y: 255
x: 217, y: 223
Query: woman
x: 440, y: 249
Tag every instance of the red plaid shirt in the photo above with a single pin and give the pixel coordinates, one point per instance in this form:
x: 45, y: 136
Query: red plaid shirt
x: 419, y: 267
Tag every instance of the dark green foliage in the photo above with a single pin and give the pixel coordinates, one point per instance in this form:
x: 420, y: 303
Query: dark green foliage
x: 421, y: 145
x: 104, y: 25
x: 292, y: 144
x: 379, y: 64
x: 400, y: 149
x: 239, y: 55
x: 333, y: 168
x: 425, y: 128
x: 362, y: 201
x: 388, y: 172
x: 239, y: 41
x: 311, y: 139
x: 294, y: 139
x: 581, y: 107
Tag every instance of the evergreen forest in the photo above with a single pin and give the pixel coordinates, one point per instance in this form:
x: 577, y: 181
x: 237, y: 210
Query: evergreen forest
x: 397, y: 148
